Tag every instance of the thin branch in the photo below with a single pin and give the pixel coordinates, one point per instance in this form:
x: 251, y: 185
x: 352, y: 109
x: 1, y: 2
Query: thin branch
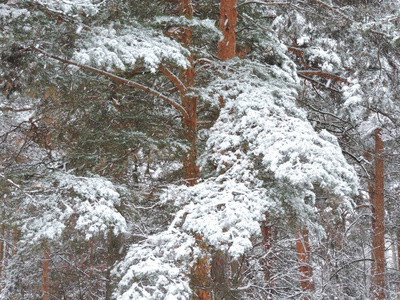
x: 323, y: 112
x: 334, y: 10
x: 300, y: 53
x: 319, y: 83
x: 262, y: 3
x: 15, y: 110
x: 174, y: 79
x: 322, y: 74
x: 344, y: 266
x: 119, y: 80
x: 14, y: 54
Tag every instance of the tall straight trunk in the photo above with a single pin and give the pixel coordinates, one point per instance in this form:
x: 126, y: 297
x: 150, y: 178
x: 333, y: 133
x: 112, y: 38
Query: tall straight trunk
x: 378, y: 222
x: 304, y: 259
x: 266, y: 262
x: 227, y: 24
x: 220, y: 276
x: 189, y: 101
x: 226, y: 50
x: 398, y: 262
x: 200, y: 272
x: 15, y: 234
x: 46, y: 273
x: 2, y: 243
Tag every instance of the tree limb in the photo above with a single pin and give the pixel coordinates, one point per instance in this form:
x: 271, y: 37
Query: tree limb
x: 300, y: 53
x: 318, y: 83
x: 119, y: 80
x: 333, y: 10
x: 262, y: 3
x: 174, y: 79
x: 319, y: 73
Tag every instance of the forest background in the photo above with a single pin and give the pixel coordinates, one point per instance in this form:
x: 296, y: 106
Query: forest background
x: 204, y: 149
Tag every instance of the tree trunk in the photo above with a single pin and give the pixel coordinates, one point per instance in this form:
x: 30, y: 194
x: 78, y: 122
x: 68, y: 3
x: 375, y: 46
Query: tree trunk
x: 46, y: 273
x: 189, y: 101
x: 266, y: 262
x: 2, y: 247
x: 226, y: 50
x: 227, y: 24
x: 2, y: 243
x: 398, y: 262
x: 378, y: 222
x: 200, y: 273
x: 220, y: 276
x: 15, y: 234
x: 304, y: 258
x: 115, y: 253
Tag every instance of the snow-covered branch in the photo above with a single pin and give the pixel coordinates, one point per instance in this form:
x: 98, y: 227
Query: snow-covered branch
x: 119, y: 80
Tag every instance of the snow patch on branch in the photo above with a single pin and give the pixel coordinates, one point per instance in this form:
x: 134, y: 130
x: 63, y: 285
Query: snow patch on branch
x: 122, y: 49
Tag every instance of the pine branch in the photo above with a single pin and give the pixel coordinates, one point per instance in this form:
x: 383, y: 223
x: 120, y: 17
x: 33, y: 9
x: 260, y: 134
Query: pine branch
x: 174, y: 79
x: 262, y: 3
x: 119, y: 80
x: 319, y: 73
x: 333, y: 10
x: 318, y: 83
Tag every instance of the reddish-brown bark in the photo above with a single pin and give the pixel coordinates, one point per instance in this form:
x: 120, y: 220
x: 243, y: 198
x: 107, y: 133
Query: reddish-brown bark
x: 398, y: 262
x: 15, y: 234
x: 3, y: 232
x: 200, y: 273
x: 227, y: 24
x: 267, y: 264
x: 189, y: 101
x: 46, y: 273
x: 220, y: 275
x: 304, y: 259
x: 200, y: 279
x: 186, y: 8
x: 378, y: 221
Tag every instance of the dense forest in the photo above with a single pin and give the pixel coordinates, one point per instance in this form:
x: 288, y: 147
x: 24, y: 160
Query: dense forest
x: 199, y: 149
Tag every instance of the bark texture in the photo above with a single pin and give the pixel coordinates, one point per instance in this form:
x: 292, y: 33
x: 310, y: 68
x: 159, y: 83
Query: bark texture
x: 2, y: 248
x: 200, y: 273
x: 398, y: 262
x: 46, y: 273
x: 267, y: 233
x: 227, y: 24
x: 304, y: 259
x: 378, y: 222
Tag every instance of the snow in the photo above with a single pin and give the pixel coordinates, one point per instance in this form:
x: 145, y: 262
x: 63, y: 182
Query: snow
x: 72, y: 7
x: 152, y: 271
x: 8, y: 13
x: 125, y: 48
x: 92, y: 199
